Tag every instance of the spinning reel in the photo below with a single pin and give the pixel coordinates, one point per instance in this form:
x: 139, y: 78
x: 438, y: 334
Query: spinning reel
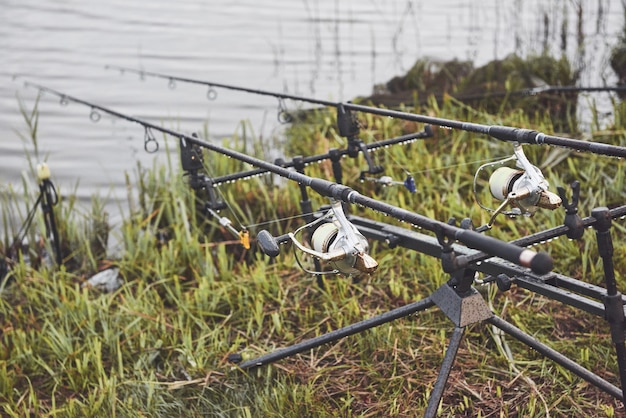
x: 523, y: 187
x: 334, y: 240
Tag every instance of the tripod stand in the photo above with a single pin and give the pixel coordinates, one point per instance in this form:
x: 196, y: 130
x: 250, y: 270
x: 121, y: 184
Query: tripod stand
x: 465, y: 306
x: 47, y: 198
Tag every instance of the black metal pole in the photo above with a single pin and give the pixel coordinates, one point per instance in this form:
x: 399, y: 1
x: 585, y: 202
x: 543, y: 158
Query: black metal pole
x: 444, y: 372
x: 614, y: 308
x: 339, y: 334
x: 47, y: 204
x: 503, y: 133
x: 331, y: 155
x: 306, y: 207
x: 533, y: 91
x: 527, y: 92
x: 211, y: 84
x: 557, y: 357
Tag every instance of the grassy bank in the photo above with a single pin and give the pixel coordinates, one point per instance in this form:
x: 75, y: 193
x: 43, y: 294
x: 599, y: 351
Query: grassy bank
x: 159, y: 345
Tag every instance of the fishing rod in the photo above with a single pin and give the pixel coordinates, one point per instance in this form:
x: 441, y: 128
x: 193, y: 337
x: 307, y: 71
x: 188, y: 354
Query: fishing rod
x: 540, y: 263
x: 456, y: 298
x: 503, y: 133
x: 531, y: 91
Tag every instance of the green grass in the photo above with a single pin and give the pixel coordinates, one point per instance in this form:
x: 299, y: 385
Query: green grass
x: 159, y: 345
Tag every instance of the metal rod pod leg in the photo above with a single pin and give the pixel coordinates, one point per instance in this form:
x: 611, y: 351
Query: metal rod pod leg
x: 444, y: 373
x: 339, y: 334
x: 557, y: 357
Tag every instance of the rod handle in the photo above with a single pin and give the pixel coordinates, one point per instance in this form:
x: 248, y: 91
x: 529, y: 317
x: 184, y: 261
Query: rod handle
x: 507, y: 133
x: 540, y: 263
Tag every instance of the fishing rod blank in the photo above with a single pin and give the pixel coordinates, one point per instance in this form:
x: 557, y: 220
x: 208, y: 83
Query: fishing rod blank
x: 503, y: 133
x: 533, y: 91
x: 540, y: 263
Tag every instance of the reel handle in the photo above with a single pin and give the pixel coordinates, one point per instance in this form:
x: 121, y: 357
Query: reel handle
x: 269, y: 243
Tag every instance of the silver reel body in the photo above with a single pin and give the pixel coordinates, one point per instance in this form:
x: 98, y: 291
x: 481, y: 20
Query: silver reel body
x: 338, y: 243
x: 524, y: 187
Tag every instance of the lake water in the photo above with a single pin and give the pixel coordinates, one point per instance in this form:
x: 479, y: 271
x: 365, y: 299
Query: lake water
x: 328, y: 49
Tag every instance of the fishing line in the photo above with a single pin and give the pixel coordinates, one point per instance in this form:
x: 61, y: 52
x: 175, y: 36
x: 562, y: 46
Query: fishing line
x: 408, y: 183
x: 220, y: 191
x: 287, y: 218
x: 457, y: 165
x: 533, y: 91
x: 411, y: 174
x: 246, y: 226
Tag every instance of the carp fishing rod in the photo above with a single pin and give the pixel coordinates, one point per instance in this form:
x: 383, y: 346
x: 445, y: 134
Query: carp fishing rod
x: 503, y: 133
x: 540, y: 262
x: 550, y: 92
x: 532, y: 91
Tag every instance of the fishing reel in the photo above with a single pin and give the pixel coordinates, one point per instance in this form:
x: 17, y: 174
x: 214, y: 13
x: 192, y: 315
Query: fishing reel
x: 334, y: 240
x: 523, y: 187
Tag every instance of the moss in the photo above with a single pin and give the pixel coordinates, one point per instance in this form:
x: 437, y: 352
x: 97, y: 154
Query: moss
x: 496, y: 87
